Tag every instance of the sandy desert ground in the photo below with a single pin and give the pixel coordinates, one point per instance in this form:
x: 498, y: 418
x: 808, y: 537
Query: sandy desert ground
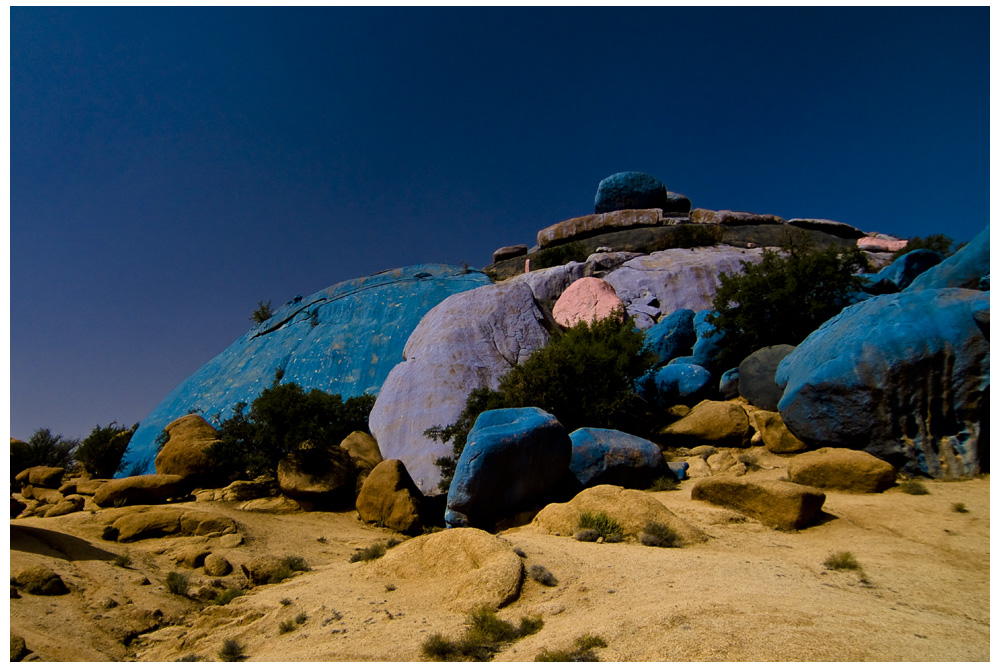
x: 749, y: 593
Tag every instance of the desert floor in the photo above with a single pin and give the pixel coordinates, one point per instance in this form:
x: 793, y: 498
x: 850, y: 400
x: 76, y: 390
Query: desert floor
x: 747, y: 594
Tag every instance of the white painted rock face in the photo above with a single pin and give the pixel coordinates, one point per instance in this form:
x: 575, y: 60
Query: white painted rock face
x: 676, y: 278
x: 587, y: 299
x: 460, y: 345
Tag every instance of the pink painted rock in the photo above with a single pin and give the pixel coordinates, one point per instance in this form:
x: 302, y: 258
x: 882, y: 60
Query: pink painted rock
x: 879, y: 244
x: 587, y: 299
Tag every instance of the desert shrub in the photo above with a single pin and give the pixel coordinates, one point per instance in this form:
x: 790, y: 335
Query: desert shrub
x: 227, y: 595
x: 189, y: 658
x: 844, y: 560
x: 43, y: 448
x: 369, y: 553
x: 262, y: 313
x: 943, y: 244
x: 283, y: 419
x: 177, y: 583
x: 231, y: 651
x: 659, y: 535
x: 582, y: 651
x: 604, y: 525
x: 124, y: 561
x: 286, y: 626
x: 959, y: 507
x: 519, y: 552
x: 585, y: 376
x: 562, y: 254
x: 539, y: 573
x: 784, y: 297
x: 664, y: 483
x: 301, y: 619
x: 295, y: 563
x: 101, y: 451
x: 913, y: 487
x: 485, y: 635
x: 685, y: 237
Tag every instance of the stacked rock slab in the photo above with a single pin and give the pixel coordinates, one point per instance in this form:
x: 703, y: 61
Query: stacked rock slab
x: 344, y: 339
x: 630, y: 190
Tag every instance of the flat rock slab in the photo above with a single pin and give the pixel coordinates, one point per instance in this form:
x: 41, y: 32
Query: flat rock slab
x: 842, y: 469
x: 634, y: 509
x: 460, y: 569
x: 728, y: 217
x: 584, y: 226
x: 145, y: 489
x: 145, y: 523
x: 777, y: 504
x: 842, y: 230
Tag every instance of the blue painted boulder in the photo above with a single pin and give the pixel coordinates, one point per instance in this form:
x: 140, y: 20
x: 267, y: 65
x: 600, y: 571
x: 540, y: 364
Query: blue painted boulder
x: 512, y: 459
x: 729, y: 384
x: 630, y: 190
x: 615, y: 458
x: 707, y: 346
x: 679, y: 469
x: 968, y: 268
x: 344, y: 339
x: 676, y: 384
x: 672, y: 336
x: 900, y: 376
x: 902, y: 272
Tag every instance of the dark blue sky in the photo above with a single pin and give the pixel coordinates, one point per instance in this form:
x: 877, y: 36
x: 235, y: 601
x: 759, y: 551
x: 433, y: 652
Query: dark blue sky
x: 171, y: 167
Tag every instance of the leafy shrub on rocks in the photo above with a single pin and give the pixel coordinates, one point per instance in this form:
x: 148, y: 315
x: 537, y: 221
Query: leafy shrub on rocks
x: 594, y: 526
x: 485, y: 636
x: 943, y: 244
x: 585, y: 376
x: 231, y: 651
x: 101, y: 451
x: 42, y: 448
x: 283, y: 419
x: 177, y: 583
x: 844, y: 560
x: 228, y: 595
x: 562, y: 254
x: 262, y: 313
x: 659, y: 535
x: 582, y: 651
x: 784, y: 297
x: 369, y: 553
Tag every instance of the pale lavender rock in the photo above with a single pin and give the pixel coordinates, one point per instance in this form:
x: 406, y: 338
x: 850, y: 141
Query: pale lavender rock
x: 460, y: 345
x: 678, y: 278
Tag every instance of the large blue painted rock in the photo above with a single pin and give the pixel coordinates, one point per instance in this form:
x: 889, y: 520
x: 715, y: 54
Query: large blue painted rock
x: 468, y: 341
x: 902, y: 272
x: 673, y: 336
x: 707, y: 347
x: 344, y: 340
x: 900, y: 376
x: 616, y: 458
x: 512, y: 459
x: 968, y: 268
x: 676, y: 384
x: 630, y: 190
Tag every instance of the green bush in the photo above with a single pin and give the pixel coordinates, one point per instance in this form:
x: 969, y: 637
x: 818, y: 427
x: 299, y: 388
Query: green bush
x: 664, y: 483
x: 227, y: 595
x: 284, y: 419
x: 585, y: 376
x: 372, y: 552
x: 177, y: 583
x: 784, y: 297
x: 660, y: 535
x: 43, y: 448
x: 262, y: 313
x: 602, y: 524
x: 844, y: 560
x: 943, y: 244
x: 485, y: 636
x: 913, y: 487
x: 959, y: 507
x: 582, y: 651
x: 231, y: 651
x: 101, y: 452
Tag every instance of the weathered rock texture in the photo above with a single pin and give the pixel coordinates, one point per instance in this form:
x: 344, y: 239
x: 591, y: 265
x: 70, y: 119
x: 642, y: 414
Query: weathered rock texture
x: 777, y: 504
x: 344, y: 339
x: 727, y: 217
x: 842, y: 469
x: 775, y: 436
x: 901, y: 376
x: 146, y: 489
x: 468, y: 341
x: 512, y: 458
x: 632, y: 508
x: 757, y: 371
x: 324, y: 476
x: 46, y: 477
x: 710, y: 422
x: 390, y: 498
x: 462, y: 569
x: 616, y: 458
x: 587, y: 299
x: 184, y: 453
x: 584, y: 226
x: 145, y: 523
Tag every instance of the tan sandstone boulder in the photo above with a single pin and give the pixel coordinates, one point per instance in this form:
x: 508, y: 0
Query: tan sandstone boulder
x: 145, y: 489
x: 778, y: 504
x: 39, y: 580
x: 324, y: 476
x: 147, y: 523
x: 776, y: 436
x: 461, y: 569
x: 842, y: 469
x: 710, y: 422
x: 390, y: 498
x: 634, y: 509
x: 184, y: 453
x: 621, y: 219
x: 70, y: 504
x: 46, y: 477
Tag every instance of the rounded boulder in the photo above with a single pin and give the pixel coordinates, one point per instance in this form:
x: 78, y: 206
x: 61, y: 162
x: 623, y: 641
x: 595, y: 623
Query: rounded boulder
x: 630, y: 190
x: 586, y: 300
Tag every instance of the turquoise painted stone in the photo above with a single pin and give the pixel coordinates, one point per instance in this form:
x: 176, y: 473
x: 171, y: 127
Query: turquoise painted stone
x: 344, y: 339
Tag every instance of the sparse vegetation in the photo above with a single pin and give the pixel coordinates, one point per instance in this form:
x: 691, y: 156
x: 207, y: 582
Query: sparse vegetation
x: 562, y: 254
x: 262, y: 313
x: 177, y: 583
x: 42, y: 448
x: 284, y: 419
x: 664, y: 483
x: 124, y: 561
x: 582, y: 651
x: 585, y: 376
x: 286, y: 626
x: 286, y: 602
x: 943, y: 244
x: 844, y: 560
x: 189, y: 658
x: 369, y: 553
x: 301, y: 619
x: 227, y: 595
x: 959, y: 507
x: 519, y: 552
x: 231, y: 651
x: 913, y: 487
x: 659, y: 535
x: 485, y: 636
x: 784, y: 297
x: 685, y: 237
x: 539, y: 573
x: 594, y: 526
x: 101, y: 452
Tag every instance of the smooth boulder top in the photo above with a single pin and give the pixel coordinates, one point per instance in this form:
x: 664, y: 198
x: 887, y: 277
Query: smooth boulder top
x: 344, y: 339
x: 588, y: 299
x: 630, y: 190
